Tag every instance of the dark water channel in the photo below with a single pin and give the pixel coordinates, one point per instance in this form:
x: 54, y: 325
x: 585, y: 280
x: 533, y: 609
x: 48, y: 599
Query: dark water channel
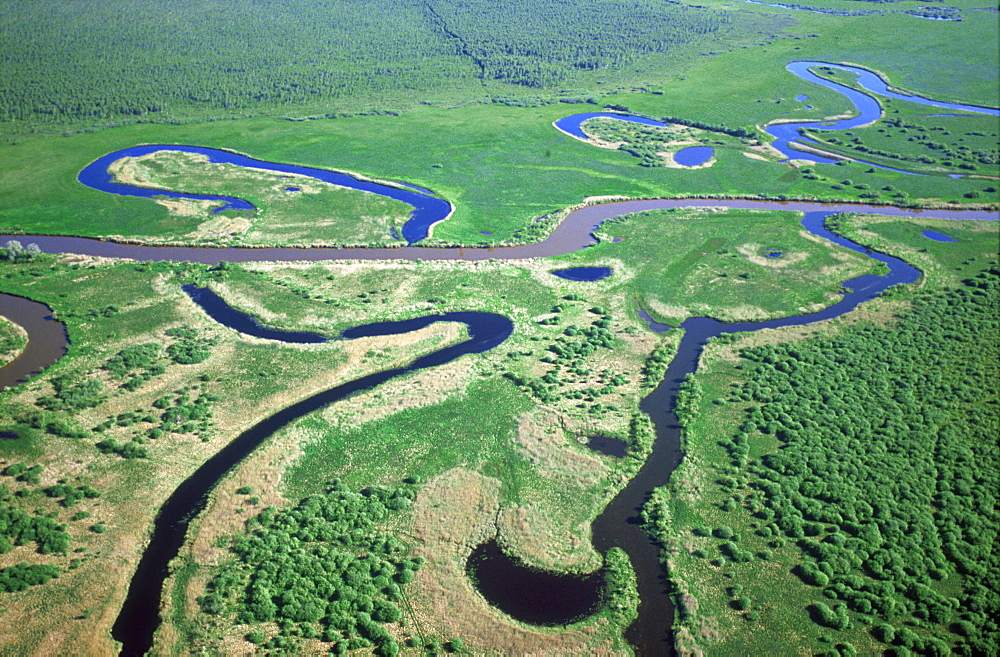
x: 139, y: 616
x: 617, y: 526
x: 47, y: 339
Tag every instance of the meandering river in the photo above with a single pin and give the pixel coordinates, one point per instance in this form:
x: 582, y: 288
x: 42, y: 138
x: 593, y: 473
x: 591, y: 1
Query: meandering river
x: 616, y: 526
x: 787, y: 135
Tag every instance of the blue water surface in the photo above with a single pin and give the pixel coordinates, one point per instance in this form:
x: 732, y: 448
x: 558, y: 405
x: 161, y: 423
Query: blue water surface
x: 571, y: 124
x: 427, y: 210
x: 868, y: 109
x: 694, y: 156
x: 586, y: 274
x: 936, y: 236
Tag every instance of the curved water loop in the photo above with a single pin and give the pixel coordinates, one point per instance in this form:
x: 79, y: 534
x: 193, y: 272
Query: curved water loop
x: 47, y: 339
x: 787, y: 135
x: 139, y: 616
x: 427, y: 210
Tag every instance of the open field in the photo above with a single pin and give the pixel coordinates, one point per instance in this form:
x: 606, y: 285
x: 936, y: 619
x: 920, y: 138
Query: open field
x: 290, y: 209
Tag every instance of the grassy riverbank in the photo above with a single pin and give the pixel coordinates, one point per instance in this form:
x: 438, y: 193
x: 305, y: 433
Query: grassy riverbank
x: 743, y: 554
x: 12, y: 341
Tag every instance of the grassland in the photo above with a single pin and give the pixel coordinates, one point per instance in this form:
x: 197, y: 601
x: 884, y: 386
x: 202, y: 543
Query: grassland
x: 522, y: 453
x: 12, y: 340
x: 463, y: 154
x: 541, y: 475
x: 501, y: 166
x: 714, y: 618
x: 247, y: 376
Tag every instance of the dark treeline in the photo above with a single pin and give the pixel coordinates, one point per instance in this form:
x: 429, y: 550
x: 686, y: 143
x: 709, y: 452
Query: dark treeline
x: 153, y: 58
x: 538, y: 43
x: 887, y: 477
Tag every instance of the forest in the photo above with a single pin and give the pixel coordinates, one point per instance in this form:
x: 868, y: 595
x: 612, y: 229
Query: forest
x: 323, y: 569
x: 108, y: 61
x: 867, y: 461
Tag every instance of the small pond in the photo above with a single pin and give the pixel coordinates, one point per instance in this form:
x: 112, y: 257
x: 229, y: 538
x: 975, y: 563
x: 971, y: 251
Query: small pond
x: 936, y: 236
x: 533, y: 596
x: 608, y: 446
x: 694, y: 156
x: 587, y: 274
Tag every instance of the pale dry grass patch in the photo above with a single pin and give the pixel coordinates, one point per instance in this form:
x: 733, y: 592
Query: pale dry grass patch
x: 667, y: 310
x: 755, y: 156
x: 879, y: 311
x: 424, y: 388
x: 541, y: 435
x: 532, y: 532
x: 453, y: 513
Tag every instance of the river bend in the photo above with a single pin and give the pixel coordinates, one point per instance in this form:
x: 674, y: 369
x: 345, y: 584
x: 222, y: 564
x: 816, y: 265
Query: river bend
x: 616, y: 526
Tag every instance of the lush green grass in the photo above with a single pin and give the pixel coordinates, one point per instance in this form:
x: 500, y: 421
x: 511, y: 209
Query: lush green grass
x: 716, y: 486
x: 677, y: 264
x: 500, y: 167
x: 170, y: 61
x: 944, y: 264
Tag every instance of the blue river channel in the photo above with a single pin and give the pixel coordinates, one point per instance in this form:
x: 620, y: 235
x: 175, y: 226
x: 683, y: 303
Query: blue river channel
x: 868, y: 108
x: 787, y: 134
x: 689, y: 157
x: 427, y: 210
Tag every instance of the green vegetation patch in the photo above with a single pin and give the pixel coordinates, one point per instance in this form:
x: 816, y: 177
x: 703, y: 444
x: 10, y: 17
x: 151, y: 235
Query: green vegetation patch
x: 29, y: 515
x: 718, y: 263
x: 316, y: 61
x: 655, y: 145
x: 326, y: 568
x: 849, y: 487
x: 917, y: 140
x: 12, y: 340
